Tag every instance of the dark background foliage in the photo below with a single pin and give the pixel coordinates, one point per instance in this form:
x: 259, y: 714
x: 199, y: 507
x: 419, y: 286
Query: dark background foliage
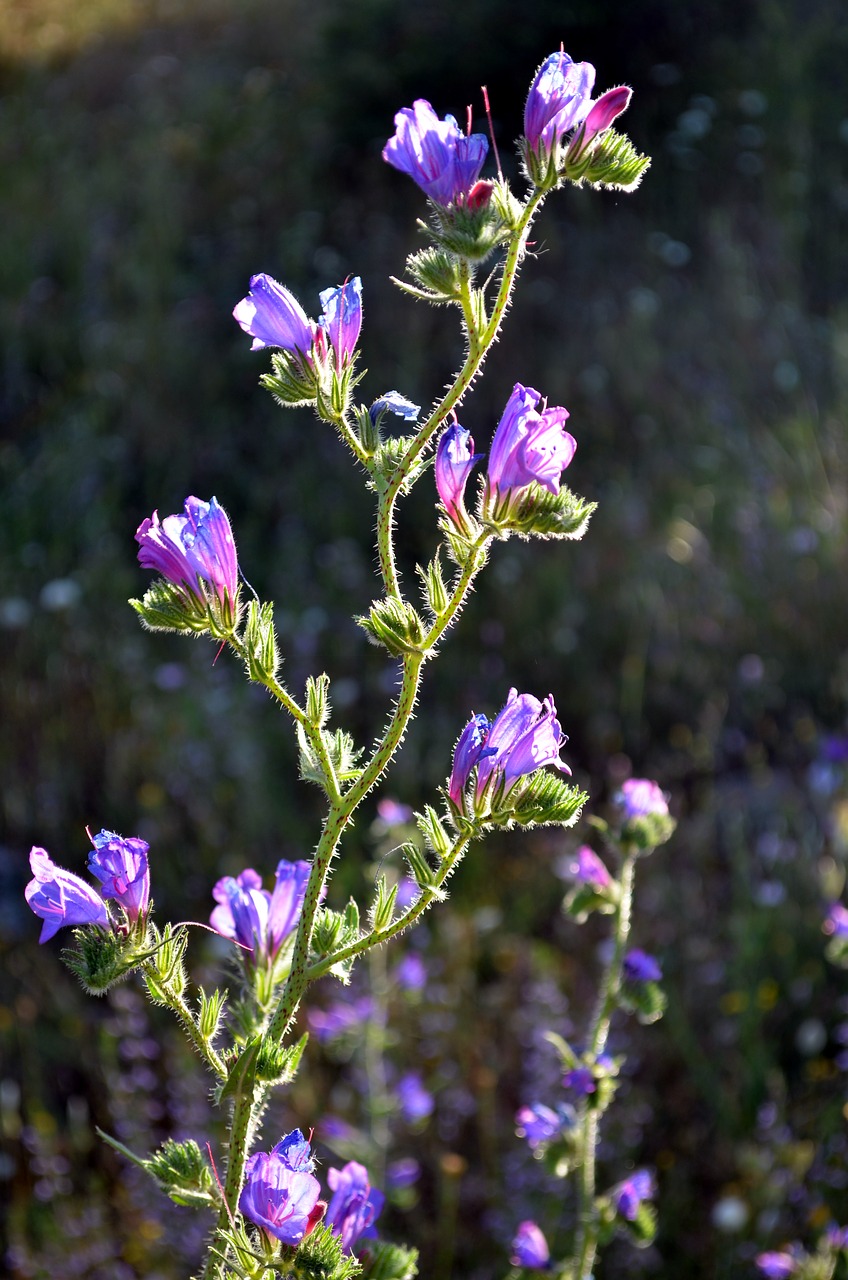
x: 152, y: 157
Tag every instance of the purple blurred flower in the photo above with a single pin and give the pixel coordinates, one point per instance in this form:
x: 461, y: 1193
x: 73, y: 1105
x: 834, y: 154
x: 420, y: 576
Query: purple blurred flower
x: 404, y: 1172
x: 776, y: 1266
x: 524, y: 736
x: 530, y: 1248
x: 539, y: 1124
x: 198, y: 544
x: 260, y: 921
x: 121, y: 867
x: 588, y: 868
x: 393, y: 813
x: 435, y: 153
x: 338, y: 1018
x: 455, y: 457
x: 355, y: 1205
x: 836, y: 920
x: 411, y: 973
x: 837, y: 1237
x: 601, y: 115
x: 60, y: 898
x: 834, y: 748
x: 342, y: 319
x: 528, y: 448
x: 641, y: 798
x: 629, y: 1194
x: 580, y: 1079
x: 394, y: 402
x: 274, y: 318
x: 279, y: 1193
x: 416, y: 1103
x: 559, y: 100
x: 638, y: 966
x: 408, y: 892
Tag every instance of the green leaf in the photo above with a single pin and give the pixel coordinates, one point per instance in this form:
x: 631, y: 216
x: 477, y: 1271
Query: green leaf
x: 242, y: 1076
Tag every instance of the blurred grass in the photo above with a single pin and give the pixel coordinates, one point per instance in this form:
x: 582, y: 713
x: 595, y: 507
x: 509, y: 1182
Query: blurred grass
x: 152, y: 157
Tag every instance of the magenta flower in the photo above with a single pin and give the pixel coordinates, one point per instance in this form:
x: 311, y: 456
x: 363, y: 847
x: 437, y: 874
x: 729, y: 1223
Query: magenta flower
x: 642, y: 798
x: 258, y: 920
x: 455, y: 457
x: 836, y: 921
x: 530, y: 1248
x: 274, y: 318
x: 60, y: 898
x: 559, y: 100
x: 355, y: 1205
x: 190, y: 548
x: 587, y: 868
x: 601, y: 115
x: 435, y: 153
x: 528, y: 448
x: 280, y: 1194
x: 629, y: 1194
x: 121, y: 867
x: 342, y: 319
x: 776, y: 1266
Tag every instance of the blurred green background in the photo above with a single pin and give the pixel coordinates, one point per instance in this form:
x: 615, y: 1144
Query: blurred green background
x: 153, y: 155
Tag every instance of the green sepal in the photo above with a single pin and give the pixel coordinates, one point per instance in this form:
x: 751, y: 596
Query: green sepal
x: 293, y: 382
x: 166, y: 607
x: 436, y: 276
x: 434, y: 832
x: 210, y: 1009
x: 181, y: 1169
x: 369, y: 431
x: 277, y: 1063
x: 645, y: 833
x: 508, y: 207
x: 382, y: 1260
x: 542, y: 799
x: 242, y: 1074
x: 460, y: 542
x: 395, y: 625
x: 382, y: 909
x: 537, y: 512
x: 643, y: 1229
x: 646, y: 999
x: 435, y: 590
x: 341, y: 752
x: 318, y: 700
x: 540, y: 165
x: 102, y: 958
x: 836, y: 952
x: 583, y: 899
x: 469, y: 233
x: 320, y: 1256
x: 389, y: 456
x: 260, y: 642
x: 563, y: 1153
x: 611, y: 162
x: 168, y: 978
x: 334, y: 400
x: 333, y: 931
x: 567, y: 1055
x: 420, y: 869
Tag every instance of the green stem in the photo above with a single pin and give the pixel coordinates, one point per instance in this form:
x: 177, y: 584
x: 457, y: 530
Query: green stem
x: 192, y: 1030
x: 236, y: 1157
x: 587, y: 1222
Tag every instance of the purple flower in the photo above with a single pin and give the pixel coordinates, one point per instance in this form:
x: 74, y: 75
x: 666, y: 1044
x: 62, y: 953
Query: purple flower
x: 196, y: 545
x: 539, y: 1124
x: 60, y: 898
x: 404, y: 1172
x: 836, y: 921
x: 455, y: 457
x: 355, y: 1205
x: 258, y: 920
x: 601, y: 115
x: 528, y: 448
x: 394, y: 402
x: 530, y: 1248
x: 342, y: 319
x: 435, y: 153
x: 339, y: 1018
x: 559, y: 100
x: 581, y: 1080
x: 279, y: 1193
x: 629, y: 1194
x: 393, y: 813
x: 274, y: 318
x: 776, y: 1266
x: 467, y: 753
x: 837, y: 1237
x: 642, y: 798
x: 407, y: 892
x: 640, y: 967
x: 411, y: 973
x: 587, y: 867
x: 416, y: 1102
x: 121, y: 867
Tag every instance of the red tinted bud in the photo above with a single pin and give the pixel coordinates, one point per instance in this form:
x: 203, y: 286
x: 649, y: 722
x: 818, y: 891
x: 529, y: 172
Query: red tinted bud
x: 315, y: 1217
x: 479, y: 195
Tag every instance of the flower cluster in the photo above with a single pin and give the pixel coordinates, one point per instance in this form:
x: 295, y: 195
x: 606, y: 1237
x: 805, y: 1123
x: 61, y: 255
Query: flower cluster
x: 559, y: 104
x: 194, y: 551
x: 444, y: 162
x: 61, y: 899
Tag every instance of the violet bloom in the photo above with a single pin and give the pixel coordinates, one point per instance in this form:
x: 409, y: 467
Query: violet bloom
x: 638, y: 966
x: 629, y: 1194
x: 642, y: 798
x: 355, y: 1205
x: 524, y: 736
x: 196, y: 545
x: 342, y: 319
x: 603, y: 111
x: 339, y: 1018
x: 394, y: 402
x: 411, y: 973
x: 836, y: 921
x: 455, y: 457
x: 468, y: 752
x: 121, y: 867
x: 539, y: 1124
x: 60, y: 898
x: 528, y: 448
x: 435, y: 153
x: 587, y: 868
x: 274, y: 318
x: 530, y: 1248
x: 404, y: 1172
x: 416, y: 1103
x: 258, y: 920
x: 559, y: 100
x: 392, y: 813
x: 776, y: 1266
x: 280, y: 1194
x: 581, y: 1080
